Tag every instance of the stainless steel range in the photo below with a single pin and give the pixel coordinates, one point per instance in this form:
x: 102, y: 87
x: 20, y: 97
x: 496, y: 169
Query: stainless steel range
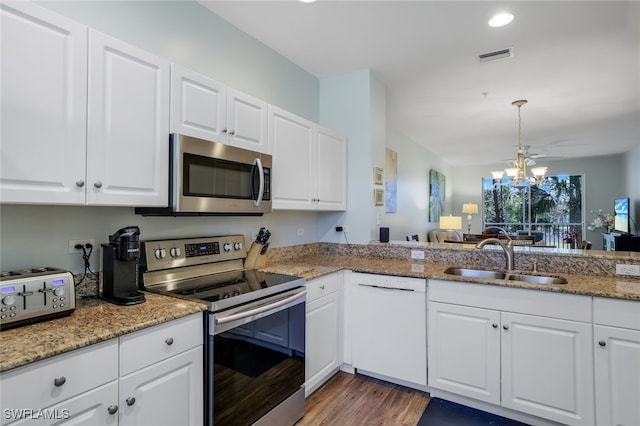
x: 255, y: 327
x: 35, y: 294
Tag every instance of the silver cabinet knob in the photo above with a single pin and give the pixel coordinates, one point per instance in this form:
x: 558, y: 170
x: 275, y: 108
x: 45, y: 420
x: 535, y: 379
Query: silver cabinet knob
x: 112, y: 409
x: 224, y: 131
x: 322, y: 287
x: 602, y: 343
x: 59, y: 381
x: 233, y: 132
x: 494, y: 325
x: 80, y: 183
x: 506, y: 327
x: 169, y: 341
x: 98, y: 184
x: 130, y: 401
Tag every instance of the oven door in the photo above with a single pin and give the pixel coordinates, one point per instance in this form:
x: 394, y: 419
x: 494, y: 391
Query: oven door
x: 211, y: 177
x: 256, y: 360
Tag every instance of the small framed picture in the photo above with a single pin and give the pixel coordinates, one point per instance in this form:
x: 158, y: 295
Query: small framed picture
x: 378, y: 196
x: 377, y: 175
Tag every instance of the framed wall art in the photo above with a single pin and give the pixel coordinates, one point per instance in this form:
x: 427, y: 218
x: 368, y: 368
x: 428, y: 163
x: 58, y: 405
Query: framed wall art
x: 436, y: 195
x: 378, y: 197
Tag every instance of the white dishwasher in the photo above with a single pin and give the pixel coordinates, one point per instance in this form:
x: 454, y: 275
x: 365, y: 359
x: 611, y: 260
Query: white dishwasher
x: 389, y: 327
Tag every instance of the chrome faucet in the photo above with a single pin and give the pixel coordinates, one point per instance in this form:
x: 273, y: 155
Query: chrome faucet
x: 507, y: 248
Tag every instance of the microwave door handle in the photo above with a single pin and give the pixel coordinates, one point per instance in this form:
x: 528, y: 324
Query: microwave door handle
x: 258, y: 198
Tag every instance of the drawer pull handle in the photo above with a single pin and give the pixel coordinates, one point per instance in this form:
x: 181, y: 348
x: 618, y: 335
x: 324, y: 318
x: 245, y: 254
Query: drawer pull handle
x: 59, y: 381
x: 494, y: 325
x: 602, y: 343
x: 112, y: 409
x: 130, y: 401
x: 506, y: 327
x: 169, y: 341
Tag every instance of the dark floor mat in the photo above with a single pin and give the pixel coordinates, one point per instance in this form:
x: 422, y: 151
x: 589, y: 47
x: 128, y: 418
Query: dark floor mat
x: 444, y: 413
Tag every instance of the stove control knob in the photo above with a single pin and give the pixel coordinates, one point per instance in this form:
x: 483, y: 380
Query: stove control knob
x: 160, y: 253
x: 58, y: 292
x: 8, y: 300
x: 174, y: 252
x: 236, y: 292
x: 237, y: 246
x: 226, y: 247
x: 225, y: 296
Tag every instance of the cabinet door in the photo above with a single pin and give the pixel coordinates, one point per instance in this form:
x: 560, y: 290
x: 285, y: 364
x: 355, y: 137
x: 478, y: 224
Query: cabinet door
x: 44, y: 106
x: 617, y: 367
x: 246, y: 121
x: 128, y: 130
x: 167, y: 393
x: 291, y: 140
x: 547, y: 368
x: 198, y: 105
x: 464, y: 350
x: 92, y: 408
x: 322, y: 337
x: 331, y: 154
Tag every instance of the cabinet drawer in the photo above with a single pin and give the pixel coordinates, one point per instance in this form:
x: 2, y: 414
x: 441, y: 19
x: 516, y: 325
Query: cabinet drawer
x: 154, y: 344
x: 322, y: 286
x: 616, y: 313
x: 34, y: 386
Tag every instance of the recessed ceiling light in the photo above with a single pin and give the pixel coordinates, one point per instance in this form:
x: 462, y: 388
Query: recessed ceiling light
x: 501, y: 19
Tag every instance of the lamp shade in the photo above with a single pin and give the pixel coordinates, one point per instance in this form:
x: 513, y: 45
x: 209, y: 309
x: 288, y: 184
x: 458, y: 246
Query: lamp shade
x: 470, y: 208
x: 450, y: 222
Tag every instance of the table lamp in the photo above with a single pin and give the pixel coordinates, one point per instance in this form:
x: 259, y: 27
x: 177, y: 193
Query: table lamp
x: 450, y: 224
x: 469, y: 209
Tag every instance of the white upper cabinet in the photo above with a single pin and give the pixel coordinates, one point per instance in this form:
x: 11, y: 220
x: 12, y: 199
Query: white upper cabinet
x: 198, y: 105
x: 204, y: 108
x: 83, y: 122
x: 309, y: 163
x: 44, y: 106
x: 128, y: 131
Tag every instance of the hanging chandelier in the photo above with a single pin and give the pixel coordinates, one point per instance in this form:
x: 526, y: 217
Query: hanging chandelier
x: 518, y: 170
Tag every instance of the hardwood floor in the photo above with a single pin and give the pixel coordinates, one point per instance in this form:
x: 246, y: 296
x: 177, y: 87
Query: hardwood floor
x: 349, y: 400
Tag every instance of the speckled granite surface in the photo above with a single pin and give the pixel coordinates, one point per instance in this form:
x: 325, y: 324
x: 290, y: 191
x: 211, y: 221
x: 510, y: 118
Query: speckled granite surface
x: 93, y: 321
x: 590, y: 273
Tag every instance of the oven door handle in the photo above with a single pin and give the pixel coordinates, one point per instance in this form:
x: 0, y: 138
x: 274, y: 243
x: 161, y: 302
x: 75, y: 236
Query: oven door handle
x: 257, y: 197
x: 260, y: 309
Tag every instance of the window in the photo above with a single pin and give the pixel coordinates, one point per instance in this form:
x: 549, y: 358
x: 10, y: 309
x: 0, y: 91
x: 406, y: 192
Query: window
x: 552, y: 211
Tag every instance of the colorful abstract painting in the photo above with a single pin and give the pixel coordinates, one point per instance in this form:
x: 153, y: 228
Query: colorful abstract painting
x: 391, y: 181
x: 436, y: 195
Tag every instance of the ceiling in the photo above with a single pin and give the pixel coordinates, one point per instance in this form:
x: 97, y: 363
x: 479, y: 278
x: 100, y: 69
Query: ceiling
x: 576, y: 62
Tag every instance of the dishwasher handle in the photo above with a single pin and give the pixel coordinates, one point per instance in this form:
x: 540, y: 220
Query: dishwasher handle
x: 385, y: 287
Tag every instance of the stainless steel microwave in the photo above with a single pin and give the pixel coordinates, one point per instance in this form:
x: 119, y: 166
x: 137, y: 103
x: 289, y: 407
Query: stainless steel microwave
x: 211, y: 178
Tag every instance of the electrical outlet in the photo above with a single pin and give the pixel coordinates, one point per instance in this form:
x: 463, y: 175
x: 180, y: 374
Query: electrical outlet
x: 345, y: 228
x: 73, y: 243
x: 417, y: 254
x: 300, y: 232
x: 624, y: 269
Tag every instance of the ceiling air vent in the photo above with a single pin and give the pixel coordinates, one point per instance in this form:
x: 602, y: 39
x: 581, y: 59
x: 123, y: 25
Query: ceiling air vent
x: 496, y: 55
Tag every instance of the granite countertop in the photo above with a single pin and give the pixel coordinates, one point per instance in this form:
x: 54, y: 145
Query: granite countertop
x: 93, y: 321
x: 315, y: 266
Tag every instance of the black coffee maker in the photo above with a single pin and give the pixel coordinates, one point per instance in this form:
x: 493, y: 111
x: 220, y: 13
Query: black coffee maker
x: 119, y: 268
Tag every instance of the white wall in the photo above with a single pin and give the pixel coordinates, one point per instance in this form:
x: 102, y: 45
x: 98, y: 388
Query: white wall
x: 414, y: 163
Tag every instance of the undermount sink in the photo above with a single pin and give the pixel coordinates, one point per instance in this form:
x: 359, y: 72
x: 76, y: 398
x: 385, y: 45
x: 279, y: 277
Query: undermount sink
x: 497, y: 275
x: 537, y: 279
x: 476, y: 273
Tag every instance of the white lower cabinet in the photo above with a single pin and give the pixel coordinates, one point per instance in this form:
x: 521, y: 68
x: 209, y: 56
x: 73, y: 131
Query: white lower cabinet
x: 523, y: 350
x: 323, y: 337
x: 617, y: 361
x: 150, y: 377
